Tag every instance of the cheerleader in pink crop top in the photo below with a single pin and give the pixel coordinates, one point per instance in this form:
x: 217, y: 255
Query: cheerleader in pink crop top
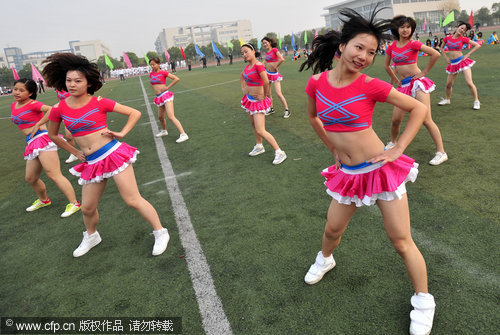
x: 164, y: 98
x: 458, y: 62
x: 61, y: 95
x: 40, y: 152
x: 102, y: 155
x: 255, y: 101
x: 273, y: 60
x: 403, y: 52
x: 340, y: 106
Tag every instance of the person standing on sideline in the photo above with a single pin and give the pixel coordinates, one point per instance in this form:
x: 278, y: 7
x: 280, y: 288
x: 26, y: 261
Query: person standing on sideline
x: 256, y: 102
x: 274, y: 59
x: 102, y: 155
x: 403, y: 52
x: 165, y: 99
x: 40, y: 153
x: 458, y: 62
x: 340, y: 106
x: 40, y: 86
x: 230, y: 55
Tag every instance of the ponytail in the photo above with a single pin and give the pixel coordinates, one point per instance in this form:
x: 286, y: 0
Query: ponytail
x: 324, y: 48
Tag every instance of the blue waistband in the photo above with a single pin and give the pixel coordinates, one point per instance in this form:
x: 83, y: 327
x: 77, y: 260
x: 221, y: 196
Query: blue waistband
x: 272, y: 73
x: 159, y: 95
x: 406, y: 80
x: 28, y: 137
x: 456, y: 60
x: 355, y: 167
x: 252, y: 99
x: 101, y: 151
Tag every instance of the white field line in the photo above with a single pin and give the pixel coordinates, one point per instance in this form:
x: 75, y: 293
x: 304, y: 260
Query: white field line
x: 163, y: 179
x: 214, y: 319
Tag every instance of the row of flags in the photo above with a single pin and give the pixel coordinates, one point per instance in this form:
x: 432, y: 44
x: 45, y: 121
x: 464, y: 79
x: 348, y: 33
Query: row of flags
x: 35, y: 75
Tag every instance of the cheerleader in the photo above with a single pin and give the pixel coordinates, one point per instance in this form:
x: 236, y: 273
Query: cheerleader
x: 61, y: 95
x: 273, y: 60
x: 102, y: 155
x: 164, y: 98
x: 458, y: 62
x: 340, y: 107
x: 40, y: 153
x: 403, y: 52
x: 256, y: 102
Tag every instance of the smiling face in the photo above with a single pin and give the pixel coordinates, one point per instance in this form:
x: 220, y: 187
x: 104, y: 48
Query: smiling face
x: 76, y: 83
x: 405, y: 31
x: 20, y: 92
x: 359, y: 52
x: 461, y: 30
x: 266, y: 44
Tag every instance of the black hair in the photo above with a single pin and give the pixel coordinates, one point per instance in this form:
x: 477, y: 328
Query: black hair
x: 326, y: 46
x: 30, y: 86
x: 58, y: 65
x: 251, y: 47
x: 399, y: 21
x: 155, y: 59
x: 271, y: 41
x: 467, y: 25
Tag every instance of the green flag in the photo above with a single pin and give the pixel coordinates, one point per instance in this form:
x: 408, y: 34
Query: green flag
x: 279, y: 40
x: 440, y: 21
x: 230, y: 45
x: 305, y: 37
x: 108, y: 62
x: 449, y: 19
x: 146, y: 59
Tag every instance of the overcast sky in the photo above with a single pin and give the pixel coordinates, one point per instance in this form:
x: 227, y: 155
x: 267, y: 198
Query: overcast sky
x: 125, y: 25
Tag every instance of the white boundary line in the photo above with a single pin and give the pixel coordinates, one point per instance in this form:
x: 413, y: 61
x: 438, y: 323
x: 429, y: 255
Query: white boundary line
x: 214, y: 319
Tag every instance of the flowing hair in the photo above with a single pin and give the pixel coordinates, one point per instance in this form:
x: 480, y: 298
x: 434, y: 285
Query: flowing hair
x: 399, y: 21
x: 326, y: 47
x: 58, y: 65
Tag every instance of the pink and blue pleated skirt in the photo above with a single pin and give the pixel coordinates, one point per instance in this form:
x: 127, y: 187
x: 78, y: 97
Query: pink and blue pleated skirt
x: 38, y: 143
x: 163, y: 97
x: 254, y: 106
x: 274, y: 76
x: 106, y: 162
x: 459, y: 64
x: 410, y: 86
x: 365, y: 183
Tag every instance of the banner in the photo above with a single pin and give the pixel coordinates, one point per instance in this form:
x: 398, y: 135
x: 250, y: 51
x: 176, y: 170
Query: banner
x: 183, y: 54
x: 216, y: 50
x: 14, y: 73
x: 35, y: 74
x: 425, y: 23
x: 449, y: 19
x: 108, y: 62
x: 315, y: 33
x: 198, y: 51
x: 146, y: 59
x: 167, y: 55
x: 305, y: 37
x: 126, y: 59
x: 230, y: 45
x: 293, y: 42
x: 279, y: 41
x: 259, y: 45
x: 440, y: 21
x: 241, y: 42
x: 471, y: 19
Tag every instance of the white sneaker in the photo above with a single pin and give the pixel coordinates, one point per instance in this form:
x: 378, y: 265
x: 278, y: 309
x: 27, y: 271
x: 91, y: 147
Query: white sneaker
x: 182, y: 137
x: 390, y: 145
x: 440, y: 157
x: 257, y: 150
x: 161, y: 241
x: 444, y: 102
x: 88, y: 242
x: 71, y: 159
x: 319, y: 268
x: 477, y: 105
x: 287, y: 114
x: 279, y: 157
x: 423, y: 314
x: 162, y: 133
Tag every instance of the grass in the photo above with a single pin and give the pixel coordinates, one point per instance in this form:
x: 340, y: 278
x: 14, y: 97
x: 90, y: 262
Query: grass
x: 260, y: 225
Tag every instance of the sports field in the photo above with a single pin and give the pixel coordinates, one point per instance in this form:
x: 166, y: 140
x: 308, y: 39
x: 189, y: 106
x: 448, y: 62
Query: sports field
x: 258, y: 227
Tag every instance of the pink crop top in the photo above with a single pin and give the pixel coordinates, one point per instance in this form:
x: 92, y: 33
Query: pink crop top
x: 455, y: 44
x: 85, y: 120
x: 252, y: 75
x: 28, y: 115
x: 158, y: 78
x: 61, y: 95
x: 405, y: 55
x: 349, y: 108
x: 272, y: 56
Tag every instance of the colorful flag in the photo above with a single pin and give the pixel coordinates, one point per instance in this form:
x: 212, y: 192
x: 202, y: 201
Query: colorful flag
x: 279, y: 41
x: 35, y: 74
x: 425, y: 22
x: 14, y: 73
x: 126, y: 59
x: 167, y: 55
x: 183, y: 54
x: 230, y: 45
x: 471, y: 18
x: 216, y: 50
x: 440, y: 21
x: 146, y: 59
x: 108, y: 62
x: 241, y: 42
x: 259, y: 45
x: 293, y: 42
x: 315, y: 33
x: 305, y: 36
x: 449, y: 19
x: 198, y: 51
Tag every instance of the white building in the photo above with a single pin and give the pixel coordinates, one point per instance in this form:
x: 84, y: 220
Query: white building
x: 92, y: 50
x: 203, y: 34
x: 420, y: 10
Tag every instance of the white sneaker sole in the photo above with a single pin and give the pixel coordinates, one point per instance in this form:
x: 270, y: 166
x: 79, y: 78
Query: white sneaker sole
x: 312, y: 282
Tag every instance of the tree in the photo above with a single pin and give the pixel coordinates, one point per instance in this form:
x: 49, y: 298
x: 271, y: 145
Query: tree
x: 102, y: 66
x: 190, y: 52
x: 483, y: 16
x: 6, y: 77
x: 449, y: 5
x: 272, y: 35
x: 175, y: 53
x: 495, y: 12
x: 287, y: 40
x: 151, y: 55
x: 463, y: 16
x: 25, y: 72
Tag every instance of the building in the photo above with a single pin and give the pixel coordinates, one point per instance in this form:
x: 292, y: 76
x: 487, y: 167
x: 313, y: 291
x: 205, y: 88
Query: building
x: 429, y: 11
x: 203, y: 34
x: 14, y: 57
x: 92, y: 50
x: 3, y: 62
